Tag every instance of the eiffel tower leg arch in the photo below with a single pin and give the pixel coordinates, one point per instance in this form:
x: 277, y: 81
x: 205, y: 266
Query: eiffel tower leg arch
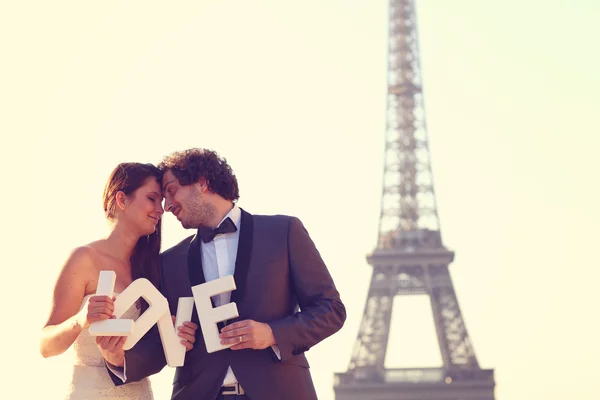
x: 369, y: 351
x: 455, y: 344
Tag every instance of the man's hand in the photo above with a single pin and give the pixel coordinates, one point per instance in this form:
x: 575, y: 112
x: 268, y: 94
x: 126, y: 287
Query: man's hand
x: 248, y: 334
x: 111, y: 348
x: 187, y: 333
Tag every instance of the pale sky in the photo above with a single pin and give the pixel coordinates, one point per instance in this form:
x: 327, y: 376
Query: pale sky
x: 293, y: 95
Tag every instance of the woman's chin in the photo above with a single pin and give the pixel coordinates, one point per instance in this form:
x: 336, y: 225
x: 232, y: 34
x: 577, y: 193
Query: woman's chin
x: 149, y: 231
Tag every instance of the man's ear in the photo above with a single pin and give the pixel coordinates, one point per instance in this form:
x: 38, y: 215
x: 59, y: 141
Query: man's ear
x: 122, y: 200
x: 202, y: 185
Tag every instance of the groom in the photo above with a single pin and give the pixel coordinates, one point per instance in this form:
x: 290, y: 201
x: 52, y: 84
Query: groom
x: 285, y: 296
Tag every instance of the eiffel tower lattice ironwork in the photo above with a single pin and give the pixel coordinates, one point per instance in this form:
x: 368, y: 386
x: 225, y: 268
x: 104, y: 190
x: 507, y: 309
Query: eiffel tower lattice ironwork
x: 410, y: 257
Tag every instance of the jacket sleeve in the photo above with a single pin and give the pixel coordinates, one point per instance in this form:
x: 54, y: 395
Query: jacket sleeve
x: 321, y: 310
x: 146, y: 358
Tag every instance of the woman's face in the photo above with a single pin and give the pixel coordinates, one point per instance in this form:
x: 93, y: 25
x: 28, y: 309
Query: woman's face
x: 144, y: 207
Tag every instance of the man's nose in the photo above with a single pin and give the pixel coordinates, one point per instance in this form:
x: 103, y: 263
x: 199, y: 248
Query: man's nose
x: 168, y: 206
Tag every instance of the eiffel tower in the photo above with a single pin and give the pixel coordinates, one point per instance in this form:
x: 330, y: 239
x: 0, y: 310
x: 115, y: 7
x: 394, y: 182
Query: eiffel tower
x: 410, y: 258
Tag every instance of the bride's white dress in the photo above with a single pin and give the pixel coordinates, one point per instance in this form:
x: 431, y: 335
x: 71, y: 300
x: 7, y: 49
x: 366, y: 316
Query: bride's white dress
x: 90, y: 379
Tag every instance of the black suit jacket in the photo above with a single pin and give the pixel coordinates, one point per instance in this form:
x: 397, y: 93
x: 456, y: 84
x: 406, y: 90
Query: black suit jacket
x: 282, y: 280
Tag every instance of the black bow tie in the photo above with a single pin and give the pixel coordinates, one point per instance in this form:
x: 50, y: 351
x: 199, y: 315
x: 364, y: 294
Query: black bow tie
x: 208, y: 234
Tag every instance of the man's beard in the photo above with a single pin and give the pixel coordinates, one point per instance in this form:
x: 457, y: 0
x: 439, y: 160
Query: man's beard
x: 201, y: 213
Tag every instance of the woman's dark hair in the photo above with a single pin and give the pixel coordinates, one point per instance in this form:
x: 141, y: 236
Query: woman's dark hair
x: 189, y: 166
x: 127, y: 178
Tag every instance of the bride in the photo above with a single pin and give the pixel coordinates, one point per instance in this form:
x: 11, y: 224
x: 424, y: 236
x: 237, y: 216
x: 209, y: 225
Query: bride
x: 132, y: 203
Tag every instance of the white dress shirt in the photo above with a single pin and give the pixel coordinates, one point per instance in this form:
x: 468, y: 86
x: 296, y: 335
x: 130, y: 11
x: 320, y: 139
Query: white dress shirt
x: 218, y: 260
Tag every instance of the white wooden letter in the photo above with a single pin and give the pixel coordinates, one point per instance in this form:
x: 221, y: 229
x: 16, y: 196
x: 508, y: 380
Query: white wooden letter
x: 208, y: 315
x: 176, y: 357
x: 114, y: 327
x: 157, y: 312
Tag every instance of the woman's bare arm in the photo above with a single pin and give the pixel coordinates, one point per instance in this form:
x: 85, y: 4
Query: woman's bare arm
x: 65, y: 321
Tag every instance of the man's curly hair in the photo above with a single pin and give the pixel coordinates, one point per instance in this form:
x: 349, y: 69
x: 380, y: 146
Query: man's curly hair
x: 189, y: 166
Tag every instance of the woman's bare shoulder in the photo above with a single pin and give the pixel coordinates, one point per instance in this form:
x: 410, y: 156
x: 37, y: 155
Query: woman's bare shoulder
x: 82, y: 261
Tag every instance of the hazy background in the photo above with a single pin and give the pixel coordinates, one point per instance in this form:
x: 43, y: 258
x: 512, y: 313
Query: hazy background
x: 293, y: 95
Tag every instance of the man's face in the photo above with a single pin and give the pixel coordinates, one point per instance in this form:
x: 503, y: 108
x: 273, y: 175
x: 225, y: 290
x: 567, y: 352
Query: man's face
x: 187, y: 203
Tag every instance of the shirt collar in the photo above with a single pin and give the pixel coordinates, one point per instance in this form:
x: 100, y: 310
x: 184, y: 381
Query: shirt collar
x: 236, y: 216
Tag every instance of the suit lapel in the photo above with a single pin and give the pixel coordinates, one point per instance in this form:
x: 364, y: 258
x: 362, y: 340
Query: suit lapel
x: 195, y: 271
x: 195, y: 268
x: 242, y: 261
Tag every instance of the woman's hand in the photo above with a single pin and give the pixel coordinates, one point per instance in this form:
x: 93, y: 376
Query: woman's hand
x: 97, y: 308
